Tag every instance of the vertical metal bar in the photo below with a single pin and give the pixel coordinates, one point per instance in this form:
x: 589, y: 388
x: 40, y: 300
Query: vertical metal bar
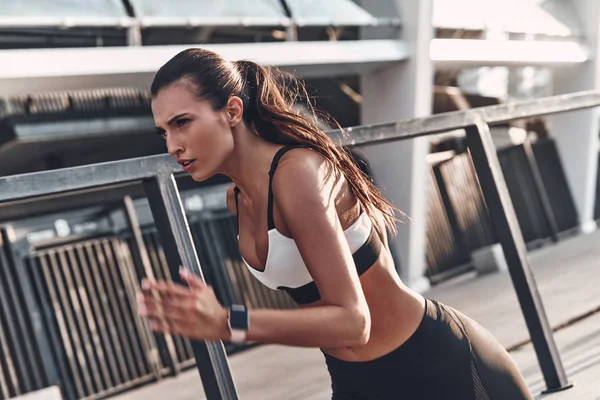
x: 130, y: 307
x: 61, y: 321
x: 96, y: 356
x: 106, y: 357
x: 138, y: 245
x: 167, y: 346
x: 126, y: 312
x: 493, y: 185
x: 95, y: 259
x: 147, y: 341
x: 36, y: 269
x: 87, y: 363
x: 5, y: 377
x: 459, y: 239
x: 16, y: 323
x: 177, y: 349
x: 80, y: 371
x: 541, y: 191
x: 116, y: 299
x: 171, y: 222
x: 8, y: 381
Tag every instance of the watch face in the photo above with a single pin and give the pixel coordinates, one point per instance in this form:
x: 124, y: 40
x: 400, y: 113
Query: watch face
x: 238, y: 317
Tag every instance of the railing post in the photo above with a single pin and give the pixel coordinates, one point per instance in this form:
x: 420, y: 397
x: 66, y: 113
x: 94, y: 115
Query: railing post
x: 140, y: 254
x: 497, y: 197
x: 171, y: 223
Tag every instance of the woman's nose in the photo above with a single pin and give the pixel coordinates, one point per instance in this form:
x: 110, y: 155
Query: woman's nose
x: 174, y: 147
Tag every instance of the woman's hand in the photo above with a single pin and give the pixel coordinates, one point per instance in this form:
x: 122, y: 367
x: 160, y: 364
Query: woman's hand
x: 194, y: 312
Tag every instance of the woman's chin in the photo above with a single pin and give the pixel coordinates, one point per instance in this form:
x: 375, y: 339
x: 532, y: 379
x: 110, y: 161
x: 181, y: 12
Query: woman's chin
x: 200, y: 176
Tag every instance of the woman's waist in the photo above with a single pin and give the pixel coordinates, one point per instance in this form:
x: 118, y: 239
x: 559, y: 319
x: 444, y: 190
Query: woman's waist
x: 393, y: 322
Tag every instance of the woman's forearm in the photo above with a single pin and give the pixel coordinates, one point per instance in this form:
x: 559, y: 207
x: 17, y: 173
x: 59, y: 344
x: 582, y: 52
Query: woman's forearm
x: 323, y: 326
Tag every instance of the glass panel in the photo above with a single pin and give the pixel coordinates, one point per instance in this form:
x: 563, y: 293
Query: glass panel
x: 329, y: 12
x: 263, y: 9
x: 546, y: 17
x: 62, y: 8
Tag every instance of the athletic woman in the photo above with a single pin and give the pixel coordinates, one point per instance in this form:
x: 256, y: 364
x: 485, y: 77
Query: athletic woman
x: 311, y: 224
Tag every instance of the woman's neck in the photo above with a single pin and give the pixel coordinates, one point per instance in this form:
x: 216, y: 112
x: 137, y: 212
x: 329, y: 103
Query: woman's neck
x: 250, y: 162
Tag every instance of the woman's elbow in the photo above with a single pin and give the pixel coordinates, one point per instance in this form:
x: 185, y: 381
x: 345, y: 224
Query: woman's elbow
x: 362, y: 328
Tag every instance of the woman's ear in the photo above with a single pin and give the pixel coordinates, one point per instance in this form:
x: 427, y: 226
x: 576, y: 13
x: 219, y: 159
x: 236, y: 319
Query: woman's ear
x: 235, y: 110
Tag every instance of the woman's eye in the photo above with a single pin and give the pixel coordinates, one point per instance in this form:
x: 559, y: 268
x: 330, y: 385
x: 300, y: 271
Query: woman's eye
x: 161, y: 133
x: 181, y: 122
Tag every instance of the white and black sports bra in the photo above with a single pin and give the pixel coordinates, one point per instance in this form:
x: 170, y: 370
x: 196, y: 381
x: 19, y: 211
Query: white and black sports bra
x: 284, y: 267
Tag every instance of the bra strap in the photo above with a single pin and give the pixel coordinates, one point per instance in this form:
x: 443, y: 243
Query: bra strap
x: 236, y: 192
x: 274, y: 163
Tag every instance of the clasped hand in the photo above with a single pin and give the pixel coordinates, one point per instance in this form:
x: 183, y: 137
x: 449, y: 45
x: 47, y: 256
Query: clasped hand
x: 192, y: 311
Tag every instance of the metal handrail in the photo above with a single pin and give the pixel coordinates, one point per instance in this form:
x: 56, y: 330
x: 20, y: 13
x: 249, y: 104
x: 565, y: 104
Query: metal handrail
x: 492, y: 115
x: 158, y: 176
x: 136, y: 169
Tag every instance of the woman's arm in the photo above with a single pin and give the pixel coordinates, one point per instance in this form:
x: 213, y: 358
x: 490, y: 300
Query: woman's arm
x: 303, y: 189
x: 326, y: 326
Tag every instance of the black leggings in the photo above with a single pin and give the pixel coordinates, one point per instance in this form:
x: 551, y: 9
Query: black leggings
x: 449, y: 356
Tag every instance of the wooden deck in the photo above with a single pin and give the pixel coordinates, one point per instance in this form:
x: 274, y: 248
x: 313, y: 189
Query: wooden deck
x: 568, y: 277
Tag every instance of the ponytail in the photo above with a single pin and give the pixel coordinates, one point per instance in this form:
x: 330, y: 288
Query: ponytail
x: 269, y: 96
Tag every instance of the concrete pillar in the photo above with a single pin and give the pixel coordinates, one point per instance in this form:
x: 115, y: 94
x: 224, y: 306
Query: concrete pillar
x: 394, y: 93
x: 577, y: 133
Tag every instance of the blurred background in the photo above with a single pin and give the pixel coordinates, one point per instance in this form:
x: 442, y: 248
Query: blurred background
x: 74, y: 78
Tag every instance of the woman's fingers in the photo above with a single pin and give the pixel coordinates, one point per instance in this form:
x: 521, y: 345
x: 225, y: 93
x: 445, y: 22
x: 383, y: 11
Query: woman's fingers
x: 165, y: 289
x: 191, y: 279
x: 168, y: 306
x: 189, y: 311
x: 175, y: 320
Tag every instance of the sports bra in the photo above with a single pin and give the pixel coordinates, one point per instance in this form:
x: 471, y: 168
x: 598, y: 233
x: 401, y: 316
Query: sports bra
x: 285, y: 268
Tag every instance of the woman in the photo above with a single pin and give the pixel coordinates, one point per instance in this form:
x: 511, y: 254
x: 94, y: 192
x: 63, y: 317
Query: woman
x: 312, y: 224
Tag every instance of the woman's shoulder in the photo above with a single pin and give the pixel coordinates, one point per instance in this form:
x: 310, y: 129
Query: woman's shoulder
x: 303, y: 163
x: 304, y: 172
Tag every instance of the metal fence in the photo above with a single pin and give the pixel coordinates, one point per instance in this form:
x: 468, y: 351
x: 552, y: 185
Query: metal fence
x: 20, y: 352
x: 157, y: 174
x: 459, y: 221
x: 85, y: 292
x: 462, y: 206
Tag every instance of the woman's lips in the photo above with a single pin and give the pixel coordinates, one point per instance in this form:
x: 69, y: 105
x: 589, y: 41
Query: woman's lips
x: 187, y: 165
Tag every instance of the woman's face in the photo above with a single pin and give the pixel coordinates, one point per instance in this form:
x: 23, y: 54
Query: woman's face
x: 197, y: 136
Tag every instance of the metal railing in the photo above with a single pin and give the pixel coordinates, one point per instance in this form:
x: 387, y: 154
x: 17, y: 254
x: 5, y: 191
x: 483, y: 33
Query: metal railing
x: 157, y: 173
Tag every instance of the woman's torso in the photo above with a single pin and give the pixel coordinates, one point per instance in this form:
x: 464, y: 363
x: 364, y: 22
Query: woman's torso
x: 395, y: 310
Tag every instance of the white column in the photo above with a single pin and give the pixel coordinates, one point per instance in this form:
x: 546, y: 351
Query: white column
x: 394, y: 93
x: 576, y: 133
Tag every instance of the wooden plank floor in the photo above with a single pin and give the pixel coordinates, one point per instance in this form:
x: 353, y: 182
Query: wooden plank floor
x: 579, y: 348
x: 277, y: 372
x: 568, y: 277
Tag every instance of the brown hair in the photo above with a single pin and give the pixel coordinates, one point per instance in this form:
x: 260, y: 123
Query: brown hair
x: 269, y: 96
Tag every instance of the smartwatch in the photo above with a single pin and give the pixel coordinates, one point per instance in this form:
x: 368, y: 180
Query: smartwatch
x: 239, y: 322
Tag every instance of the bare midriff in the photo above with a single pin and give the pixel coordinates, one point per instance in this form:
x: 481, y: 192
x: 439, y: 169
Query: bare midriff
x: 395, y: 310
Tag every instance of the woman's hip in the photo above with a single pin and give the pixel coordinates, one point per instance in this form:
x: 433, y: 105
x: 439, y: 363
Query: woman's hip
x: 448, y: 356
